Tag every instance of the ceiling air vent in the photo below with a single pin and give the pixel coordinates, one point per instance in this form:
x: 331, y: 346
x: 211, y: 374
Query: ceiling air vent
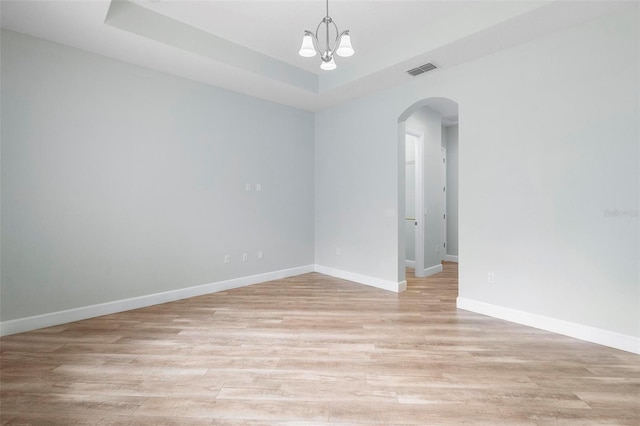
x: 422, y: 69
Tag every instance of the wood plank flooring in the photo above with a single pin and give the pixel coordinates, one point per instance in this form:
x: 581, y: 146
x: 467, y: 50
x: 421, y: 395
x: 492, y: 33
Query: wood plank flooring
x: 313, y: 350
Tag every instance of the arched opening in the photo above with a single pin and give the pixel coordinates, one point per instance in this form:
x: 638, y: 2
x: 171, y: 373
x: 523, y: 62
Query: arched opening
x: 427, y: 191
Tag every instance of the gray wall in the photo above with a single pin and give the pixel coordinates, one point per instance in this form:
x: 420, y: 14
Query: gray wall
x: 119, y: 181
x: 548, y: 144
x: 451, y: 139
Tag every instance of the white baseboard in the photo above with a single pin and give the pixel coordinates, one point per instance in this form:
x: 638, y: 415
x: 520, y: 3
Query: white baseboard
x: 433, y: 270
x: 566, y: 328
x: 396, y: 287
x: 451, y: 258
x: 427, y: 272
x: 61, y: 317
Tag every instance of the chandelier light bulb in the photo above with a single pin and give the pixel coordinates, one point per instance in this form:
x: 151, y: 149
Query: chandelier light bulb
x: 328, y: 66
x: 345, y: 49
x: 307, y: 49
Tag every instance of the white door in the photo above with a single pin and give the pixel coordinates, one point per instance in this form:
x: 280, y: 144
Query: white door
x: 414, y: 196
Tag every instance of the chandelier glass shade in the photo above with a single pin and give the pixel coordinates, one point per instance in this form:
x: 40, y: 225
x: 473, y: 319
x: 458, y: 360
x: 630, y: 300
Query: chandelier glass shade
x: 341, y: 45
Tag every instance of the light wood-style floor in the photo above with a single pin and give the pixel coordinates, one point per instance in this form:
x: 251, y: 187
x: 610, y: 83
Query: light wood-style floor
x: 313, y: 350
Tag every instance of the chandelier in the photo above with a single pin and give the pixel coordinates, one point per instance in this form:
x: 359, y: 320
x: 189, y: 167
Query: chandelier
x: 341, y: 45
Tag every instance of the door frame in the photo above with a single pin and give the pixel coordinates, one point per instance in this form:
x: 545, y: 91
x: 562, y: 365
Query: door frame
x: 401, y: 188
x: 445, y: 215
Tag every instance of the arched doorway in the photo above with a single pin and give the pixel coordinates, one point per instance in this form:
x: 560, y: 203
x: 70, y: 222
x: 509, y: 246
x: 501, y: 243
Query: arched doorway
x: 428, y: 219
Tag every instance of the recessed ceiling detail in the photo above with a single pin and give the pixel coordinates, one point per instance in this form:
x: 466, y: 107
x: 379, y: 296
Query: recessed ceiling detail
x: 136, y: 19
x: 250, y: 46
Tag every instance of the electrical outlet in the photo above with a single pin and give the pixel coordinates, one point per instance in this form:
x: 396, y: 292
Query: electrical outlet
x: 338, y: 251
x: 491, y: 278
x: 227, y: 259
x: 260, y: 254
x: 245, y: 257
x: 258, y: 187
x: 247, y: 187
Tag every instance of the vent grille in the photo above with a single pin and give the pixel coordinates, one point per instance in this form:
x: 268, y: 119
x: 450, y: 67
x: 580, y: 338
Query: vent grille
x: 421, y: 69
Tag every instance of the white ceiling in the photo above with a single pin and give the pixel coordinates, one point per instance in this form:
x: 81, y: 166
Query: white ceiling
x: 251, y: 46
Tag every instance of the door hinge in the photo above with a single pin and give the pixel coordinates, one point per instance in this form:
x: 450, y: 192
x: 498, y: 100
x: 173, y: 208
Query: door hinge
x: 444, y: 216
x: 444, y: 245
x: 444, y: 188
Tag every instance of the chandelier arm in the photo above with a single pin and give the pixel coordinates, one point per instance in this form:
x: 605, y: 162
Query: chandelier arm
x: 329, y: 55
x: 316, y: 37
x: 327, y: 19
x: 318, y: 27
